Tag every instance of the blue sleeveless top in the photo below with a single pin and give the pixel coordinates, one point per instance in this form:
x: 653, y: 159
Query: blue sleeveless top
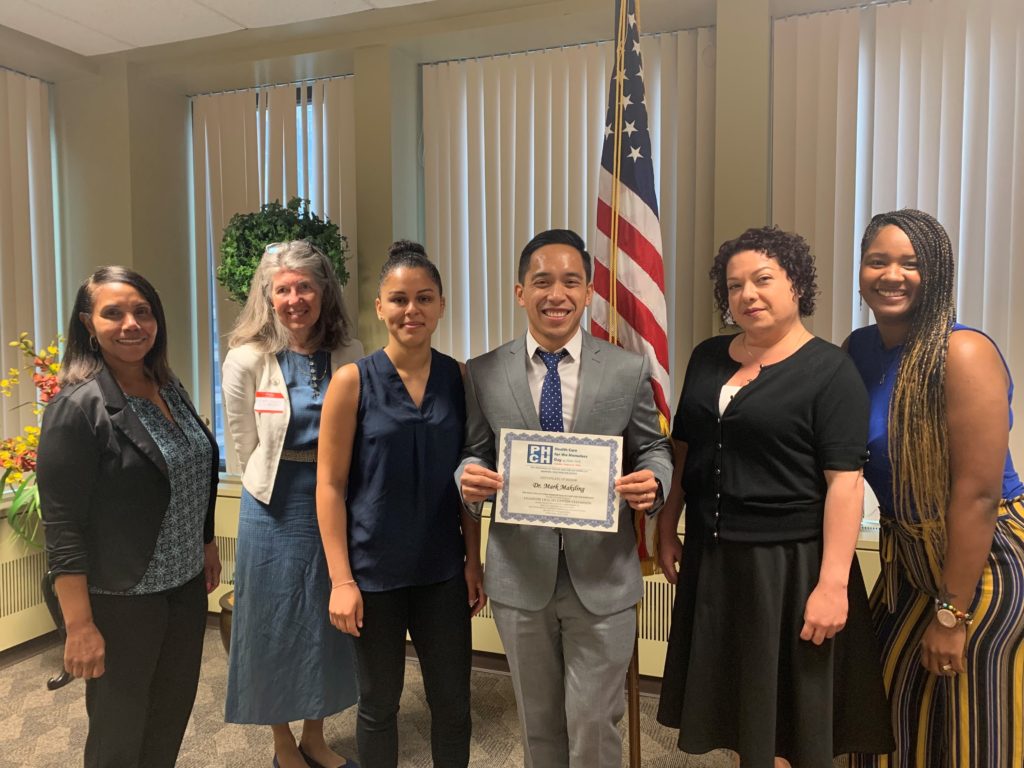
x: 878, y: 366
x: 404, y: 524
x: 306, y: 377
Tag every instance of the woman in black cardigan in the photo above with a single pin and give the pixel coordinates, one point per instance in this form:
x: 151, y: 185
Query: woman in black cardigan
x: 770, y: 653
x: 127, y: 476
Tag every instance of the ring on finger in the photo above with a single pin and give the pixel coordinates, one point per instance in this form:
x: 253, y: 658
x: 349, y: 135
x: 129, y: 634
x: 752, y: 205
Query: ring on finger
x: 947, y: 667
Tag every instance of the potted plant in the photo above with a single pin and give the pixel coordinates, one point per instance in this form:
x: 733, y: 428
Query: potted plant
x: 248, y: 234
x: 18, y: 453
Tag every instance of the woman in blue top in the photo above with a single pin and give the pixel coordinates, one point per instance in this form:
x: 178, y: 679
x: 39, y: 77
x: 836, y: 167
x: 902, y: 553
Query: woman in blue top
x: 947, y: 608
x: 287, y: 662
x: 390, y: 518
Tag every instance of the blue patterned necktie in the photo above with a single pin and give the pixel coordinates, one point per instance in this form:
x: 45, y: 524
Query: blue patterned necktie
x: 550, y: 410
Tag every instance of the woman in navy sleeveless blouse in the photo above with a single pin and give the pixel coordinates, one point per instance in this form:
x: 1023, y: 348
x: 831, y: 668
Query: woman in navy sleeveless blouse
x: 402, y: 554
x: 947, y: 608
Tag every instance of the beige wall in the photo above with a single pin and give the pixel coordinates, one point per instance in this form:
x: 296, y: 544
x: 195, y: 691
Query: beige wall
x: 91, y: 120
x: 742, y: 116
x: 159, y: 140
x: 123, y: 159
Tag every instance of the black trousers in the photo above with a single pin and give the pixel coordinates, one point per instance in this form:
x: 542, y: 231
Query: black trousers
x: 437, y: 618
x: 139, y: 708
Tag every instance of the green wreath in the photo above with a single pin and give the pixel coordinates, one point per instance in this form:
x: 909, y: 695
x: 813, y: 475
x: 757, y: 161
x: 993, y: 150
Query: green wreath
x: 248, y: 234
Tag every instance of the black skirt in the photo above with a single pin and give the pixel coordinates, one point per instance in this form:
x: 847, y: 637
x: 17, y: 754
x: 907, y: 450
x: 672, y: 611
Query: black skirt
x: 738, y: 676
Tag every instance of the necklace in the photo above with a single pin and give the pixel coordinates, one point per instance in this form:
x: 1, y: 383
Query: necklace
x: 743, y: 341
x: 316, y: 375
x: 788, y: 349
x: 888, y: 356
x: 761, y: 365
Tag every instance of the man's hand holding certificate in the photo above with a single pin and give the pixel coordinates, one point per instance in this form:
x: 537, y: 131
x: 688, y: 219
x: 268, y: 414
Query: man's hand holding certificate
x: 559, y: 479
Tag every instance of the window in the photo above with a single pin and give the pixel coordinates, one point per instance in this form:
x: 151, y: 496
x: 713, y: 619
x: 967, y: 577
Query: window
x: 253, y: 147
x: 906, y: 105
x: 30, y: 286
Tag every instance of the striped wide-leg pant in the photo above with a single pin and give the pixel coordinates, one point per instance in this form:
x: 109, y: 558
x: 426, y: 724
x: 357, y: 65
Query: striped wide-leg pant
x: 972, y: 720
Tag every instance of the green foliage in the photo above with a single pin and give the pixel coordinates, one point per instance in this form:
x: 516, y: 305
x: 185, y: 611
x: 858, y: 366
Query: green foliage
x: 248, y: 234
x: 24, y: 514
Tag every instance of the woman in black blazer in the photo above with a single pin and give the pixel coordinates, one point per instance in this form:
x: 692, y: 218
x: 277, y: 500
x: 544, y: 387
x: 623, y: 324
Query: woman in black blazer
x: 127, y: 475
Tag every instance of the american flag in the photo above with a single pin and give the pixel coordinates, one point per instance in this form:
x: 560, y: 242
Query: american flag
x: 630, y: 310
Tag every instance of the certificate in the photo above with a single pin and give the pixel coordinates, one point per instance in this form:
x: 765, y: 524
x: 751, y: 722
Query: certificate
x: 559, y: 480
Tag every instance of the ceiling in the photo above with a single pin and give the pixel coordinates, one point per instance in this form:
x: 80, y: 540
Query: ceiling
x: 93, y: 27
x: 198, y: 46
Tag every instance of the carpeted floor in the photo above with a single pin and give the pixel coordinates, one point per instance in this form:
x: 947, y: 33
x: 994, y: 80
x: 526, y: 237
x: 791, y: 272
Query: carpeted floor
x: 43, y: 729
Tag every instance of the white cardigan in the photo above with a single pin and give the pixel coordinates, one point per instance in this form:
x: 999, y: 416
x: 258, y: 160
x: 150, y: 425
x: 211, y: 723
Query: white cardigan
x: 259, y: 437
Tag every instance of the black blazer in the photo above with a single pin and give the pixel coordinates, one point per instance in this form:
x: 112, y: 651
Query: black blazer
x: 103, y: 484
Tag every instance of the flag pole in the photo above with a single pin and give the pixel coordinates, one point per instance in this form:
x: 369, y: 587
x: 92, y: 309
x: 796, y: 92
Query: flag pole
x: 613, y: 254
x: 622, y: 195
x: 633, y: 673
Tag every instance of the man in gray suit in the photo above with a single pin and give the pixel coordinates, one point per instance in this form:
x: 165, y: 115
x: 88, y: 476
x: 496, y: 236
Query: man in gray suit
x: 564, y: 601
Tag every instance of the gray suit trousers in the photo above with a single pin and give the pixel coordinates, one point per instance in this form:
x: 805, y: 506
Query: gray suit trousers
x: 568, y: 671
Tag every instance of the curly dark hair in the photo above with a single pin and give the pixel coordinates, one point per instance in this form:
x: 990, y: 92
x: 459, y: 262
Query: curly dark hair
x: 788, y: 248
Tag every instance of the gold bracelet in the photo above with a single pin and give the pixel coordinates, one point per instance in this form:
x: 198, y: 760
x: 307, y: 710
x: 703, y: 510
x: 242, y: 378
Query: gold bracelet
x: 343, y: 584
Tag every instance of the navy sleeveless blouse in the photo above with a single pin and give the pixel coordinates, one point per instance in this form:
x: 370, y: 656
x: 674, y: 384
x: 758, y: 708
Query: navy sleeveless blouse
x: 404, y: 525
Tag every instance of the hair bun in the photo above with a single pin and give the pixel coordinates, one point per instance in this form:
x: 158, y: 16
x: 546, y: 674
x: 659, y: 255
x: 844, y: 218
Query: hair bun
x: 400, y: 247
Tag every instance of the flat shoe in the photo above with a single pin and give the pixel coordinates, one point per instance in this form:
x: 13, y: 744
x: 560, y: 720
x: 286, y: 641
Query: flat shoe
x: 314, y: 764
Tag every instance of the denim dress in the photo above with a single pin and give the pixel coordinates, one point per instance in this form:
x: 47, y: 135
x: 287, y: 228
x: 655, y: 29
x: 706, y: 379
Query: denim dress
x: 287, y: 662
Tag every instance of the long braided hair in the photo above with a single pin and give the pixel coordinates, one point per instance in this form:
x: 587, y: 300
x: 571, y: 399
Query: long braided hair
x: 918, y: 440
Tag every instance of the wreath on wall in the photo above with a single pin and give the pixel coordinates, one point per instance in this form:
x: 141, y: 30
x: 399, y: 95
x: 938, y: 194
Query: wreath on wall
x: 248, y: 234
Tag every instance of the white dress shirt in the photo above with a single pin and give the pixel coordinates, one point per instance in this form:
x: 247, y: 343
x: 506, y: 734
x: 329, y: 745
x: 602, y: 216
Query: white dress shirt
x: 568, y: 372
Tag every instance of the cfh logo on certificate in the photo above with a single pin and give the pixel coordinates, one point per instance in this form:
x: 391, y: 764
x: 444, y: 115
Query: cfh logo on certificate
x: 559, y: 480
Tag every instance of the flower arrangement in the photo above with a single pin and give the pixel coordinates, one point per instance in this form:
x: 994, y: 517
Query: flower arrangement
x: 18, y: 454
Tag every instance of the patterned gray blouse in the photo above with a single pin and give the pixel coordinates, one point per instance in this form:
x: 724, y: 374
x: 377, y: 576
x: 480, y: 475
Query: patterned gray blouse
x: 178, y: 555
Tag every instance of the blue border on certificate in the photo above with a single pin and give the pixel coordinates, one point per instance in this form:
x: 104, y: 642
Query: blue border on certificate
x: 561, y: 438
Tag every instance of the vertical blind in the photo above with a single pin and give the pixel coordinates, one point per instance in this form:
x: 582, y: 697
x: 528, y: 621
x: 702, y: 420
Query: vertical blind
x: 512, y: 146
x: 253, y: 147
x: 28, y: 273
x: 910, y: 105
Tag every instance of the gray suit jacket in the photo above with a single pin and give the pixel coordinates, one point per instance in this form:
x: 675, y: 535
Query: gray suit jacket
x: 614, y: 398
